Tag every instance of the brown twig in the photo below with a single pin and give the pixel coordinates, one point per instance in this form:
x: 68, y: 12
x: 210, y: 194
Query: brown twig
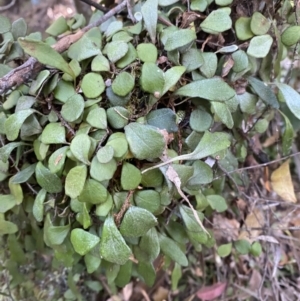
x: 31, y: 67
x: 125, y: 206
x: 96, y: 5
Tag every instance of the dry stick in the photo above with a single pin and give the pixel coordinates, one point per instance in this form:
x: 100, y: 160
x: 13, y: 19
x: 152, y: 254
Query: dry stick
x: 21, y: 74
x: 96, y: 5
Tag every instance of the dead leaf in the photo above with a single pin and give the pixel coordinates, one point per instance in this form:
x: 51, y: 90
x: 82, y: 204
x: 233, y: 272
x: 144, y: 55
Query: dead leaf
x: 208, y: 293
x: 253, y: 223
x: 225, y: 229
x: 161, y: 294
x: 281, y: 181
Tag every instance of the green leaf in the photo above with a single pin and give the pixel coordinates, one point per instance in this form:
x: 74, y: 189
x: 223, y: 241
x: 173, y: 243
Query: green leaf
x: 80, y: 148
x: 224, y: 250
x: 54, y: 133
x: 260, y: 46
x: 102, y: 171
x: 166, y: 2
x: 7, y: 227
x: 92, y: 263
x: 57, y: 234
x: 38, y: 205
x: 256, y: 249
x: 212, y: 89
x: 47, y: 180
x: 17, y: 191
x: 87, y: 46
x: 83, y: 241
x: 241, y: 61
x: 242, y: 246
x: 6, y: 150
x: 217, y: 21
x: 5, y: 24
x: 291, y: 35
x: 217, y: 203
x: 200, y: 120
x: 118, y: 117
x: 45, y: 54
x: 171, y: 249
x: 150, y: 14
x: 137, y: 221
x: 264, y: 92
x: 58, y: 27
x: 97, y: 118
x: 113, y: 247
x: 75, y: 181
x: 83, y: 217
x: 243, y: 29
x: 73, y: 108
x: 93, y: 192
x: 259, y: 24
x: 147, y: 272
x: 152, y: 79
x: 119, y: 144
x: 202, y: 175
x: 23, y: 175
x: 291, y: 97
x: 147, y: 52
x: 103, y: 209
x: 130, y: 176
x: 223, y: 112
x: 100, y: 63
x: 172, y: 76
x: 288, y: 136
x: 64, y: 90
x: 92, y: 85
x: 180, y: 38
x: 199, y: 5
x: 190, y: 221
x: 105, y: 154
x: 192, y: 59
x: 7, y: 201
x: 123, y: 84
x: 148, y: 247
x: 57, y: 159
x: 176, y: 276
x: 147, y: 199
x: 124, y: 274
x: 19, y: 28
x: 144, y: 141
x: 163, y: 119
x: 210, y: 64
x: 14, y: 122
x: 116, y: 50
x: 128, y: 58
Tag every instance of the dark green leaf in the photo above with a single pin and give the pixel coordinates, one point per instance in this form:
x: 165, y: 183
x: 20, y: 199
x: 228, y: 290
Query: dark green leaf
x: 113, y: 247
x: 137, y: 221
x: 47, y: 180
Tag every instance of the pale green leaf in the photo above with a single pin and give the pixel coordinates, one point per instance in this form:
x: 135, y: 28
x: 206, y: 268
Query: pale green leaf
x: 14, y: 122
x: 80, y: 148
x: 83, y: 241
x: 150, y: 14
x: 75, y: 181
x: 54, y: 133
x: 217, y: 21
x: 38, y: 205
x: 212, y: 89
x: 144, y: 141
